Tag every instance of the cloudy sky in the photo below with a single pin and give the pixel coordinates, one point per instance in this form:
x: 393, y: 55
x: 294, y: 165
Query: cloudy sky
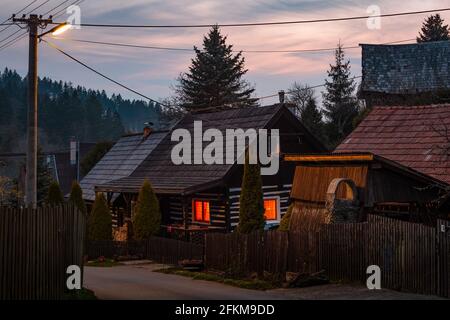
x: 152, y: 72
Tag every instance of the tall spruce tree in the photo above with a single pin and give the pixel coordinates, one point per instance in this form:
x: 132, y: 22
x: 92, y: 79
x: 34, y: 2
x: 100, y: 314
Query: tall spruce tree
x: 251, y: 203
x: 340, y: 104
x: 311, y: 117
x: 433, y: 29
x: 215, y: 76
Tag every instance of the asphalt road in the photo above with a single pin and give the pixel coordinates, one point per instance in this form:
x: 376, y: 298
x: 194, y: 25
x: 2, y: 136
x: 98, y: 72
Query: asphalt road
x: 139, y: 282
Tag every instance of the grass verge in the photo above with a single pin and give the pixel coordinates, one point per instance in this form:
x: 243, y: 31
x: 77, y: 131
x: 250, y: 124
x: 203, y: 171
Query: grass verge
x: 83, y: 294
x: 105, y: 263
x: 253, y: 284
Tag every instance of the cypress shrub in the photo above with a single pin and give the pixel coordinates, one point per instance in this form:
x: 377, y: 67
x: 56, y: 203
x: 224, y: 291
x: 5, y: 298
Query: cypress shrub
x: 251, y: 208
x: 147, y: 216
x: 100, y: 221
x: 286, y: 220
x: 76, y: 197
x: 54, y: 196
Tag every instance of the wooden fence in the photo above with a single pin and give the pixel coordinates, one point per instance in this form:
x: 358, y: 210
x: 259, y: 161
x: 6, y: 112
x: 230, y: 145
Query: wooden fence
x: 36, y: 247
x: 412, y: 257
x: 162, y: 250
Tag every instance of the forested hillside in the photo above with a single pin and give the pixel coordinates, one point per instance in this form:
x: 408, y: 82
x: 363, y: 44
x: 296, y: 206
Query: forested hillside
x: 65, y: 111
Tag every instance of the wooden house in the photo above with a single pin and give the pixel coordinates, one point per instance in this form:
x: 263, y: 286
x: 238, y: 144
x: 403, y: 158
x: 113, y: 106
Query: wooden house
x: 197, y: 197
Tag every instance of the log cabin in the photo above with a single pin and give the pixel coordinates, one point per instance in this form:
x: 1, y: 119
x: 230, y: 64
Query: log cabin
x: 195, y: 198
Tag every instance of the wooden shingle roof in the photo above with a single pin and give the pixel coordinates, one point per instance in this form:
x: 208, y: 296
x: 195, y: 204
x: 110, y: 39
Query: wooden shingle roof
x: 166, y: 177
x: 119, y: 162
x: 417, y: 137
x: 407, y: 68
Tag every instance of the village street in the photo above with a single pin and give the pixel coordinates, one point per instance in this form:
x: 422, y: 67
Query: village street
x: 140, y: 282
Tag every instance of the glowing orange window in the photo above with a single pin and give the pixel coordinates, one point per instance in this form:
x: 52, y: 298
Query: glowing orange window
x: 270, y: 209
x: 200, y: 211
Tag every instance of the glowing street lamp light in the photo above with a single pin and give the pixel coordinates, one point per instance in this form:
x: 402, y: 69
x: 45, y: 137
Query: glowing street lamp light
x: 60, y: 28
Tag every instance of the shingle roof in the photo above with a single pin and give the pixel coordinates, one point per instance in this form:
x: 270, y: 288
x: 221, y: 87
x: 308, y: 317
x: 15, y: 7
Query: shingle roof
x: 166, y: 177
x: 123, y: 158
x: 415, y: 137
x: 407, y: 68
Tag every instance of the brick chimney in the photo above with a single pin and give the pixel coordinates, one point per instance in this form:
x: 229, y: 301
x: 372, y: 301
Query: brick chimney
x: 281, y: 96
x: 147, y: 130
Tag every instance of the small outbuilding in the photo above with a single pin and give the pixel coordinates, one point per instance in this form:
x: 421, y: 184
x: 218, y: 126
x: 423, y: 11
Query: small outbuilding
x: 344, y: 187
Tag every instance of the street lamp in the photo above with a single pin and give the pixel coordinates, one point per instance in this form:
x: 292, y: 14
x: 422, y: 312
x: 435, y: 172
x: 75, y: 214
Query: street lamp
x: 34, y: 22
x: 60, y: 28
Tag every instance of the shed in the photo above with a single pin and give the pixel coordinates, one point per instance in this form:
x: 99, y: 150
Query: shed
x: 363, y: 182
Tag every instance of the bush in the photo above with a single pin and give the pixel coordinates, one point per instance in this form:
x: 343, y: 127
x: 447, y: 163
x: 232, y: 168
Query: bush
x: 54, y: 196
x: 251, y: 209
x: 147, y: 216
x: 286, y: 220
x: 76, y: 197
x: 100, y: 221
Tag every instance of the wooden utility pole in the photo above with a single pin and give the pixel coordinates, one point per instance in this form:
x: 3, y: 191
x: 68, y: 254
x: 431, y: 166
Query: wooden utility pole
x: 33, y: 22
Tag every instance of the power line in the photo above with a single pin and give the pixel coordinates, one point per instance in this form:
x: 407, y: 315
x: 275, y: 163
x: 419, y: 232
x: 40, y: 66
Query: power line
x: 24, y: 34
x: 250, y: 24
x: 101, y: 74
x: 192, y: 50
x: 308, y: 87
x: 46, y: 13
x: 14, y: 33
x: 24, y: 8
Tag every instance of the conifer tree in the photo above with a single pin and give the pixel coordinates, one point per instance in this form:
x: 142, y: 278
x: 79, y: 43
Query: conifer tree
x: 55, y: 196
x: 44, y: 177
x: 433, y: 29
x: 99, y: 221
x: 147, y: 216
x: 214, y: 79
x: 311, y: 117
x: 76, y: 197
x: 251, y: 203
x: 340, y: 104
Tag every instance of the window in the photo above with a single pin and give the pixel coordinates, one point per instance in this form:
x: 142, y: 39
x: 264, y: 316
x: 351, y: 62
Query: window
x: 200, y: 211
x: 271, y: 209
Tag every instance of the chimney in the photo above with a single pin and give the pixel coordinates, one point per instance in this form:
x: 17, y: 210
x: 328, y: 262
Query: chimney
x: 147, y: 130
x: 281, y: 96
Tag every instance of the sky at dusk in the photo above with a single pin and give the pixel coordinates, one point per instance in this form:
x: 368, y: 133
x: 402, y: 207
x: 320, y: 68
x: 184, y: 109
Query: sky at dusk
x: 152, y: 72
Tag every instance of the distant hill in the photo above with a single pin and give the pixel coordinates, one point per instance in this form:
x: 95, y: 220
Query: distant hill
x: 65, y: 111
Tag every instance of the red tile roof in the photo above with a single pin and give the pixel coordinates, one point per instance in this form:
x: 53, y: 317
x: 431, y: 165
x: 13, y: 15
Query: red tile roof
x: 417, y: 137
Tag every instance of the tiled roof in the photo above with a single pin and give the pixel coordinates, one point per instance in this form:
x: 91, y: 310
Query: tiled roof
x: 123, y: 158
x: 407, y: 68
x: 417, y: 137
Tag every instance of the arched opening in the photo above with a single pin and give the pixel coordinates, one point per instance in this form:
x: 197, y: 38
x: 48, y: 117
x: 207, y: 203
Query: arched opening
x: 342, y: 201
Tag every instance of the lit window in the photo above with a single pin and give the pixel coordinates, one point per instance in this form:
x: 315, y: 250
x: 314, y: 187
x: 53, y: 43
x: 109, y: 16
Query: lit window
x: 200, y: 211
x: 270, y: 209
